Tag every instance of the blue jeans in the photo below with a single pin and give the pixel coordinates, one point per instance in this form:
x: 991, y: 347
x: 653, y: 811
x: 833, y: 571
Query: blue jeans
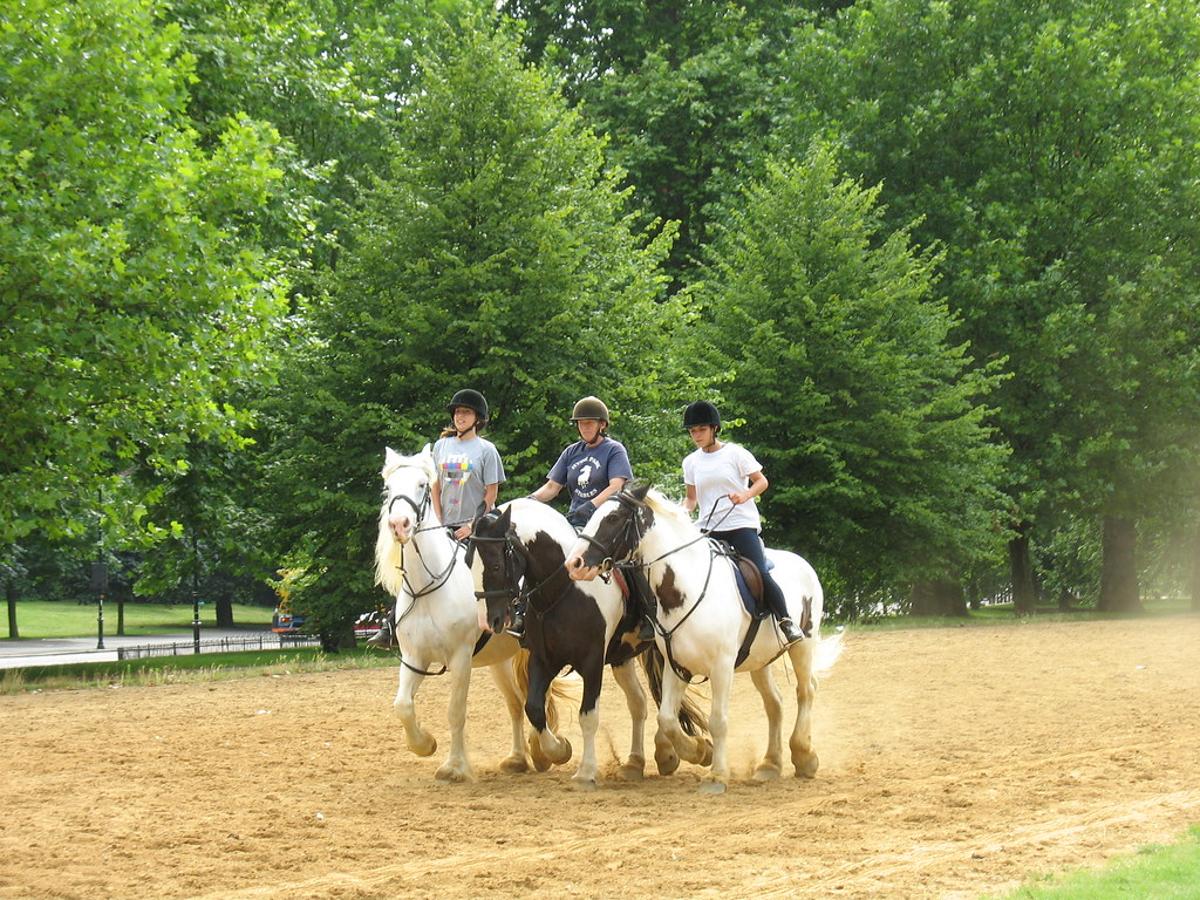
x: 748, y: 544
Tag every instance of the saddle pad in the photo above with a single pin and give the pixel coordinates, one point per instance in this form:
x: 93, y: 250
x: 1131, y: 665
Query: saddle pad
x: 747, y: 598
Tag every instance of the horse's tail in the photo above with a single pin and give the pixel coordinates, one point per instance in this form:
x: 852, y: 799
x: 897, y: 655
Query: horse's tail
x: 692, y: 719
x: 557, y: 691
x: 827, y: 652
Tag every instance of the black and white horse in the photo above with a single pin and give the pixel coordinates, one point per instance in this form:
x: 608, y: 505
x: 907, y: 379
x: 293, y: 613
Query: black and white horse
x: 702, y: 623
x: 522, y: 546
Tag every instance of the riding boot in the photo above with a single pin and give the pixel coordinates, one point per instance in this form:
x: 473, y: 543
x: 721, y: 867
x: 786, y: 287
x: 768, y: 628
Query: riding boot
x: 385, y: 637
x: 791, y: 633
x: 649, y: 616
x: 516, y: 621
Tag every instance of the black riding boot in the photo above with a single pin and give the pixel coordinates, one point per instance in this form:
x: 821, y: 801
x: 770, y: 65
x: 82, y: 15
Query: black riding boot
x: 774, y: 597
x: 791, y: 633
x: 385, y: 637
x: 649, y: 616
x: 516, y: 622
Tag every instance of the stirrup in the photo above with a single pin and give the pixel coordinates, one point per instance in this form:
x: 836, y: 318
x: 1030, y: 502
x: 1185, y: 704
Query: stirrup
x: 791, y: 633
x: 517, y: 626
x: 382, y: 639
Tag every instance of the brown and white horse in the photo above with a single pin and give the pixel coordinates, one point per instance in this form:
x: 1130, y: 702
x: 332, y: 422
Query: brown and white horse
x: 702, y: 624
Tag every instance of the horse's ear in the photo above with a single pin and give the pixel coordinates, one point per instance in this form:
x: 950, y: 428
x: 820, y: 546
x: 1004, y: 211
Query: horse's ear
x: 427, y: 450
x: 505, y: 521
x: 390, y: 458
x: 639, y: 491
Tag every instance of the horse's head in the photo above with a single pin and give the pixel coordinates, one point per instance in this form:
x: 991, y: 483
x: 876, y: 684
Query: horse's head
x: 501, y: 567
x: 612, y: 535
x: 406, y: 498
x: 407, y: 484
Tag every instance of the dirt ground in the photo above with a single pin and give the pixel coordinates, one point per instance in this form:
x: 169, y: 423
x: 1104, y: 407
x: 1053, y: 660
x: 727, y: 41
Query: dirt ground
x: 954, y: 762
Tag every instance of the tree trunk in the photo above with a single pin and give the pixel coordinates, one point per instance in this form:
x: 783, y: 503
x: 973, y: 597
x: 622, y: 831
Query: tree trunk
x: 1196, y: 572
x: 10, y: 597
x: 938, y: 598
x: 224, y: 610
x: 121, y: 614
x: 1021, y: 568
x: 1118, y: 569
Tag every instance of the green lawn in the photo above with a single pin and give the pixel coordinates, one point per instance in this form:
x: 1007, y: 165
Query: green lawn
x: 51, y: 619
x: 1154, y: 871
x: 1002, y: 614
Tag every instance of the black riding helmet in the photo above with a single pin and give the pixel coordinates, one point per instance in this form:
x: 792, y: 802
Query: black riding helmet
x: 471, y: 400
x: 701, y: 413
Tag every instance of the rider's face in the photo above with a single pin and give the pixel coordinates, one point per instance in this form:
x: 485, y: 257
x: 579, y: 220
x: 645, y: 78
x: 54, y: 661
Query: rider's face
x: 464, y: 418
x: 589, y: 429
x: 702, y: 435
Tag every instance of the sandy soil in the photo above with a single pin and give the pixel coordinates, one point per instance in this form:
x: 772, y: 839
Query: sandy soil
x: 954, y: 761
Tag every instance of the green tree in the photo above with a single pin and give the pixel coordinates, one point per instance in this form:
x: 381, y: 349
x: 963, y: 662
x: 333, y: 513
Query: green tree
x: 1051, y: 150
x: 867, y: 418
x: 499, y: 254
x: 132, y: 289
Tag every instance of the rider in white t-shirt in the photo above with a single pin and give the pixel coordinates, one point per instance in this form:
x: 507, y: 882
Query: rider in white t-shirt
x: 722, y: 480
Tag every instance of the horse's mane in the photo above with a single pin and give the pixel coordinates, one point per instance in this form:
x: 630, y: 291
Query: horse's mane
x: 666, y: 508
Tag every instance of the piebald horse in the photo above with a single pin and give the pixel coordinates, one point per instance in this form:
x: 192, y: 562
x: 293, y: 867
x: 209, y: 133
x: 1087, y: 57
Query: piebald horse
x: 702, y: 624
x: 522, y: 546
x: 436, y: 622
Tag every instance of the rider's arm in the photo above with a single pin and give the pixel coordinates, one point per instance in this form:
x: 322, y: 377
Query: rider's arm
x: 435, y: 497
x: 758, y: 484
x: 689, y: 502
x: 489, y: 495
x: 547, y: 491
x: 614, y: 485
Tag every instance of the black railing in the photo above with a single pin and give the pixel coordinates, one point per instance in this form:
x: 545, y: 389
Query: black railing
x: 219, y: 645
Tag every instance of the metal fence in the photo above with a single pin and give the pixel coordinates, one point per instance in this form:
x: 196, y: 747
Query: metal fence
x: 219, y: 645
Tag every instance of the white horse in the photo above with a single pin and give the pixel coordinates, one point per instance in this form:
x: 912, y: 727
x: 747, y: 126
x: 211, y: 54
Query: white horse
x: 702, y: 624
x: 435, y: 617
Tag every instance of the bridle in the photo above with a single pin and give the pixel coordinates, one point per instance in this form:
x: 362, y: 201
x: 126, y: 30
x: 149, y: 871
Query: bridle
x: 516, y: 563
x: 631, y: 533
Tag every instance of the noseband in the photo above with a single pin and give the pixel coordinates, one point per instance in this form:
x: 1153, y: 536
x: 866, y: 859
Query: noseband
x: 632, y: 531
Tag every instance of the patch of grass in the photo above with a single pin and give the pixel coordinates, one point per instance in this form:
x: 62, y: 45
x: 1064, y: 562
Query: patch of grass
x: 190, y: 668
x: 54, y: 619
x: 1155, y: 871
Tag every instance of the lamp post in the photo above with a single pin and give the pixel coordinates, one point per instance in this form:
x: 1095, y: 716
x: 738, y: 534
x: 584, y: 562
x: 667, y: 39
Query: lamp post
x: 100, y: 588
x: 195, y: 615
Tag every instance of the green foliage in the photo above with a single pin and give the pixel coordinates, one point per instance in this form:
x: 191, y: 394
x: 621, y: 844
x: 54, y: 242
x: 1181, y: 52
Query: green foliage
x: 133, y: 290
x: 867, y: 418
x: 499, y: 255
x: 1051, y: 150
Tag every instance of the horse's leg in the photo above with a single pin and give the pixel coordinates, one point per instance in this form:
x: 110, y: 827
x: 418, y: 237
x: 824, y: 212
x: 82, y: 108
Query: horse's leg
x: 420, y: 741
x: 772, y: 764
x: 721, y: 680
x: 506, y: 680
x: 552, y: 747
x: 670, y: 733
x: 457, y: 767
x: 635, y: 698
x: 804, y: 758
x: 592, y: 673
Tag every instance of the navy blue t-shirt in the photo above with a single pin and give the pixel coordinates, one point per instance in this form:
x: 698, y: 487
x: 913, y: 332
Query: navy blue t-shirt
x: 586, y: 471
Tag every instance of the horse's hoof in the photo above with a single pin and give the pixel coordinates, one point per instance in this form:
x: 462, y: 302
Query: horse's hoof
x: 424, y: 749
x: 451, y: 774
x: 564, y: 754
x: 712, y: 786
x: 541, y: 761
x: 514, y: 765
x: 806, y: 764
x: 633, y: 769
x: 667, y: 762
x: 706, y: 753
x: 583, y: 783
x: 766, y: 773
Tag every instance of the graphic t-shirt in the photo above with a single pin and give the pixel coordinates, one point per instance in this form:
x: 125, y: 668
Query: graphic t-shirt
x: 716, y: 475
x: 586, y: 471
x: 465, y: 469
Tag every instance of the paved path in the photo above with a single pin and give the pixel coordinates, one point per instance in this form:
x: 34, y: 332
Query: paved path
x: 58, y: 651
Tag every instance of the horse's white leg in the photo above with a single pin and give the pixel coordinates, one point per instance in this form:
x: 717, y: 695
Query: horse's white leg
x: 420, y: 741
x: 804, y: 758
x: 721, y: 680
x: 698, y: 750
x: 635, y: 698
x: 772, y: 764
x: 457, y: 767
x: 506, y: 680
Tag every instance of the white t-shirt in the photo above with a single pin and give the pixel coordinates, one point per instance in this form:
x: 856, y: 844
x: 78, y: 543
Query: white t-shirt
x: 719, y: 474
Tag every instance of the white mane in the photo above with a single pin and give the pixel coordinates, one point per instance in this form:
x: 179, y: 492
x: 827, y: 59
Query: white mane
x: 667, y: 510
